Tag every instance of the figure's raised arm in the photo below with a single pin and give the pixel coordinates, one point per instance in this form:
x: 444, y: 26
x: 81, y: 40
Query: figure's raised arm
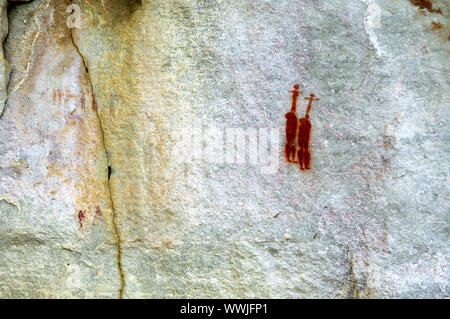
x: 310, y: 98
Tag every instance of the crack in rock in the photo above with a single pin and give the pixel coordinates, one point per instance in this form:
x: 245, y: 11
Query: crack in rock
x: 5, y: 69
x: 102, y: 135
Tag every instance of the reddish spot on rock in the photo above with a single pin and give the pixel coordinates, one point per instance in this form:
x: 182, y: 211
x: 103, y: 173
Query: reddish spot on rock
x: 94, y: 103
x: 54, y: 97
x: 81, y: 217
x: 83, y: 102
x: 436, y: 25
x: 425, y: 4
x: 57, y: 97
x: 98, y: 211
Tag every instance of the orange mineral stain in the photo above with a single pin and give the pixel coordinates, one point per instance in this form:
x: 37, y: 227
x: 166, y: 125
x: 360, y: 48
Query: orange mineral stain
x: 425, y: 4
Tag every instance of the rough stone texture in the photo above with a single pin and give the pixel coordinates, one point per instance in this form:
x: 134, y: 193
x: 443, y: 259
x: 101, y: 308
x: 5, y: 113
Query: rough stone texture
x: 4, y: 66
x: 52, y: 165
x: 369, y: 220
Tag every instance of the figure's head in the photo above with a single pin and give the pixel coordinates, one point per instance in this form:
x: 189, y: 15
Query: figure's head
x: 296, y: 86
x: 312, y: 95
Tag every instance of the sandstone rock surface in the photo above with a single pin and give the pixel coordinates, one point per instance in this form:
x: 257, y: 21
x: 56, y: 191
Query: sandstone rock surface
x: 99, y: 197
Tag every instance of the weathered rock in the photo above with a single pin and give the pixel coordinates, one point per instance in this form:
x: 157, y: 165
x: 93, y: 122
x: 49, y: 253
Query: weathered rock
x: 99, y: 198
x: 4, y: 66
x: 56, y: 225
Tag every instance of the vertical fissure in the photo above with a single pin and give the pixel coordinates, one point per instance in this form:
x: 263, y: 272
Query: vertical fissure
x: 102, y: 133
x: 5, y: 66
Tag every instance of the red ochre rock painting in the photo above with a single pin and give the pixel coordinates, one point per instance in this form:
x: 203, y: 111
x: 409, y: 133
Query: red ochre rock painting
x: 64, y: 96
x: 82, y: 215
x: 298, y: 132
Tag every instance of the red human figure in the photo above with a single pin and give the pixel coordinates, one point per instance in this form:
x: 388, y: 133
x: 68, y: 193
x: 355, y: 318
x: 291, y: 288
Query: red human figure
x: 295, y: 94
x: 291, y: 126
x: 304, y: 132
x: 81, y: 217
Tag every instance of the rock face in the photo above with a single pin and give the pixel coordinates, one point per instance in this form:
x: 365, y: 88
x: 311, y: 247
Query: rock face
x: 4, y: 66
x: 122, y: 168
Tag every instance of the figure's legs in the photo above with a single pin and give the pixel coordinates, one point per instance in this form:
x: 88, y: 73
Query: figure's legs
x: 293, y: 152
x: 306, y: 154
x: 300, y: 158
x: 287, y: 150
x: 307, y: 159
x: 290, y: 153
